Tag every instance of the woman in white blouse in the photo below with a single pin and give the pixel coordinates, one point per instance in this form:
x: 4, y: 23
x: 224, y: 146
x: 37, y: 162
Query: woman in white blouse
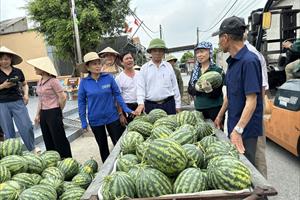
x: 126, y: 81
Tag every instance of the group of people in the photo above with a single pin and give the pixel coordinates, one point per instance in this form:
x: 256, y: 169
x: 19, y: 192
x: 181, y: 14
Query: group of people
x: 110, y: 96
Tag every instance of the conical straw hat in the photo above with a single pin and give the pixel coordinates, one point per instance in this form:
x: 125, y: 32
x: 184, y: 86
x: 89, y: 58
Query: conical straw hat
x: 16, y: 59
x: 44, y: 64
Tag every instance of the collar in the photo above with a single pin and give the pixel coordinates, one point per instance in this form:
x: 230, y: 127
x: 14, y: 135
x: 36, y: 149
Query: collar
x: 89, y: 77
x: 12, y: 70
x: 163, y: 63
x: 239, y: 55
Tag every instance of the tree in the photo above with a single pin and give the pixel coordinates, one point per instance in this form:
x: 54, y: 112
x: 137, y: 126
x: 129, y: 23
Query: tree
x: 186, y: 56
x: 96, y: 18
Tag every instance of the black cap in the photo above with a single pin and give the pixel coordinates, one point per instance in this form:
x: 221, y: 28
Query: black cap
x: 232, y: 25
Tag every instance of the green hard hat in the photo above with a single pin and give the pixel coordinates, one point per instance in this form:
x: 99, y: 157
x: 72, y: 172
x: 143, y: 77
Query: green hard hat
x: 156, y: 44
x: 171, y: 57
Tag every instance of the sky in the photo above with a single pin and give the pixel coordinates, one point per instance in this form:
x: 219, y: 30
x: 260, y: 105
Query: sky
x: 179, y: 19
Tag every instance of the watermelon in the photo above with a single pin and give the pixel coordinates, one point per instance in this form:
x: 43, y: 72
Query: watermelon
x: 152, y: 183
x: 203, y: 129
x: 194, y: 154
x: 141, y: 151
x: 213, y: 77
x: 25, y: 179
x: 68, y: 185
x: 169, y: 122
x: 70, y: 167
x: 83, y: 180
x: 51, y: 158
x: 190, y: 180
x: 35, y: 163
x: 220, y: 148
x: 10, y: 190
x: 142, y: 117
x: 199, y: 116
x: 185, y: 134
x: 156, y: 114
x: 39, y: 192
x: 167, y: 156
x: 5, y: 174
x: 228, y: 173
x: 206, y: 142
x: 161, y: 132
x: 86, y: 169
x: 36, y: 178
x: 11, y: 146
x: 130, y: 141
x: 118, y: 185
x: 142, y: 127
x: 74, y: 193
x: 134, y: 172
x: 91, y: 163
x: 53, y: 172
x: 186, y: 117
x: 16, y: 164
x: 56, y: 183
x: 126, y: 162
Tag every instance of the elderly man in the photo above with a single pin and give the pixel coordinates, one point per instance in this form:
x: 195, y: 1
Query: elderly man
x: 294, y: 66
x: 244, y: 89
x: 156, y: 84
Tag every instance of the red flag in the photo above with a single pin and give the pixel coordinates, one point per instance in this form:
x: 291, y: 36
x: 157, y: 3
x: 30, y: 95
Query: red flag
x: 136, y: 22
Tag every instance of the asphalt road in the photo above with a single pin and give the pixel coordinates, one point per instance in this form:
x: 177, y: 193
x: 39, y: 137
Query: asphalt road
x: 283, y: 172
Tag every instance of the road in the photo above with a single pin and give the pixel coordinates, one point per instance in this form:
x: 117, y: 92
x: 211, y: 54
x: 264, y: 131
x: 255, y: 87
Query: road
x: 283, y: 168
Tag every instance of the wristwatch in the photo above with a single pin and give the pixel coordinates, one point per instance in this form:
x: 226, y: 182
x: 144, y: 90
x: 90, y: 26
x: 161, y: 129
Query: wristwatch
x: 239, y: 130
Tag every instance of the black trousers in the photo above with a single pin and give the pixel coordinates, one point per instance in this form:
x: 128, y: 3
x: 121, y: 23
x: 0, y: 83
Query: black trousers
x: 168, y: 106
x: 53, y: 131
x: 115, y: 131
x: 132, y: 106
x: 250, y: 149
x: 210, y: 113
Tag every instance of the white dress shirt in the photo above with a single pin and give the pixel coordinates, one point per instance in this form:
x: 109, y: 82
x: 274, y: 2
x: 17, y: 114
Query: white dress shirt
x: 127, y: 86
x: 157, y: 83
x: 263, y: 64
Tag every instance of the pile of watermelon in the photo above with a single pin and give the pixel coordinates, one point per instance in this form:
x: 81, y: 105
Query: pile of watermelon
x: 26, y: 176
x: 170, y: 154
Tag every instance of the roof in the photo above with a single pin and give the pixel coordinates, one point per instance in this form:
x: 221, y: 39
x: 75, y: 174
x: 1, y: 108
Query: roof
x: 9, y: 22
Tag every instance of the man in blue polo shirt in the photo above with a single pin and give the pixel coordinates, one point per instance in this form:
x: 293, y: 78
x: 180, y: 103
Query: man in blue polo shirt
x: 244, y: 89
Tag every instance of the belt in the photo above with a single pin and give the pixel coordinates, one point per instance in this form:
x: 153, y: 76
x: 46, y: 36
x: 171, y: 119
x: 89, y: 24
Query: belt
x: 161, y: 101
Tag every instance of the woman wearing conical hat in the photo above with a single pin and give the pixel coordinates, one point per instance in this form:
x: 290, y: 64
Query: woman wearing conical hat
x: 52, y: 100
x: 97, y: 95
x: 112, y: 58
x: 13, y: 101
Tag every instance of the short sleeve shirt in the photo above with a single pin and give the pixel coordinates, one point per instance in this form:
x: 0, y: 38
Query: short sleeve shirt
x: 47, y: 92
x: 244, y: 77
x: 13, y: 93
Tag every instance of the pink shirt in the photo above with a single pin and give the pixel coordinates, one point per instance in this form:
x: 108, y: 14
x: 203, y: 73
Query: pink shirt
x: 47, y: 91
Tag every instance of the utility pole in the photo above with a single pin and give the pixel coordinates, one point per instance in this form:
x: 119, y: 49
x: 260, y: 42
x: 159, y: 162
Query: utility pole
x: 160, y: 32
x: 197, y: 35
x: 76, y: 32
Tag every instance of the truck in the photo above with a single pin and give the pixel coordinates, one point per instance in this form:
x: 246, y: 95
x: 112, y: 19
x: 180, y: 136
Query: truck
x: 269, y: 27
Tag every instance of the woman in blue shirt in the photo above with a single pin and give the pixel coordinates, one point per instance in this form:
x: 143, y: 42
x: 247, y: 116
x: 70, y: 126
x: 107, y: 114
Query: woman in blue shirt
x: 99, y: 92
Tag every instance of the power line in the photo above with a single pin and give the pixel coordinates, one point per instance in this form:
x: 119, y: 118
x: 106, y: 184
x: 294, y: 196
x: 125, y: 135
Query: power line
x: 246, y: 8
x: 220, y: 18
x: 136, y: 17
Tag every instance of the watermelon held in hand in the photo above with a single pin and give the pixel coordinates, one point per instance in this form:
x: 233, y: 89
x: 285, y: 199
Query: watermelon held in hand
x: 213, y: 77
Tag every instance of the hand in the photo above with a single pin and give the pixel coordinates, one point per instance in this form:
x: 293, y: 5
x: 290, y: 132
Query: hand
x: 6, y: 84
x: 206, y: 86
x: 178, y: 110
x: 138, y: 111
x: 287, y: 44
x: 236, y: 139
x: 219, y: 122
x: 37, y: 119
x: 25, y: 99
x: 123, y: 120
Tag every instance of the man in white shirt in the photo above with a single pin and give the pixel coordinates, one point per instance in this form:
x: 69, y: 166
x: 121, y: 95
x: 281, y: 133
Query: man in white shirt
x: 260, y: 155
x: 157, y: 85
